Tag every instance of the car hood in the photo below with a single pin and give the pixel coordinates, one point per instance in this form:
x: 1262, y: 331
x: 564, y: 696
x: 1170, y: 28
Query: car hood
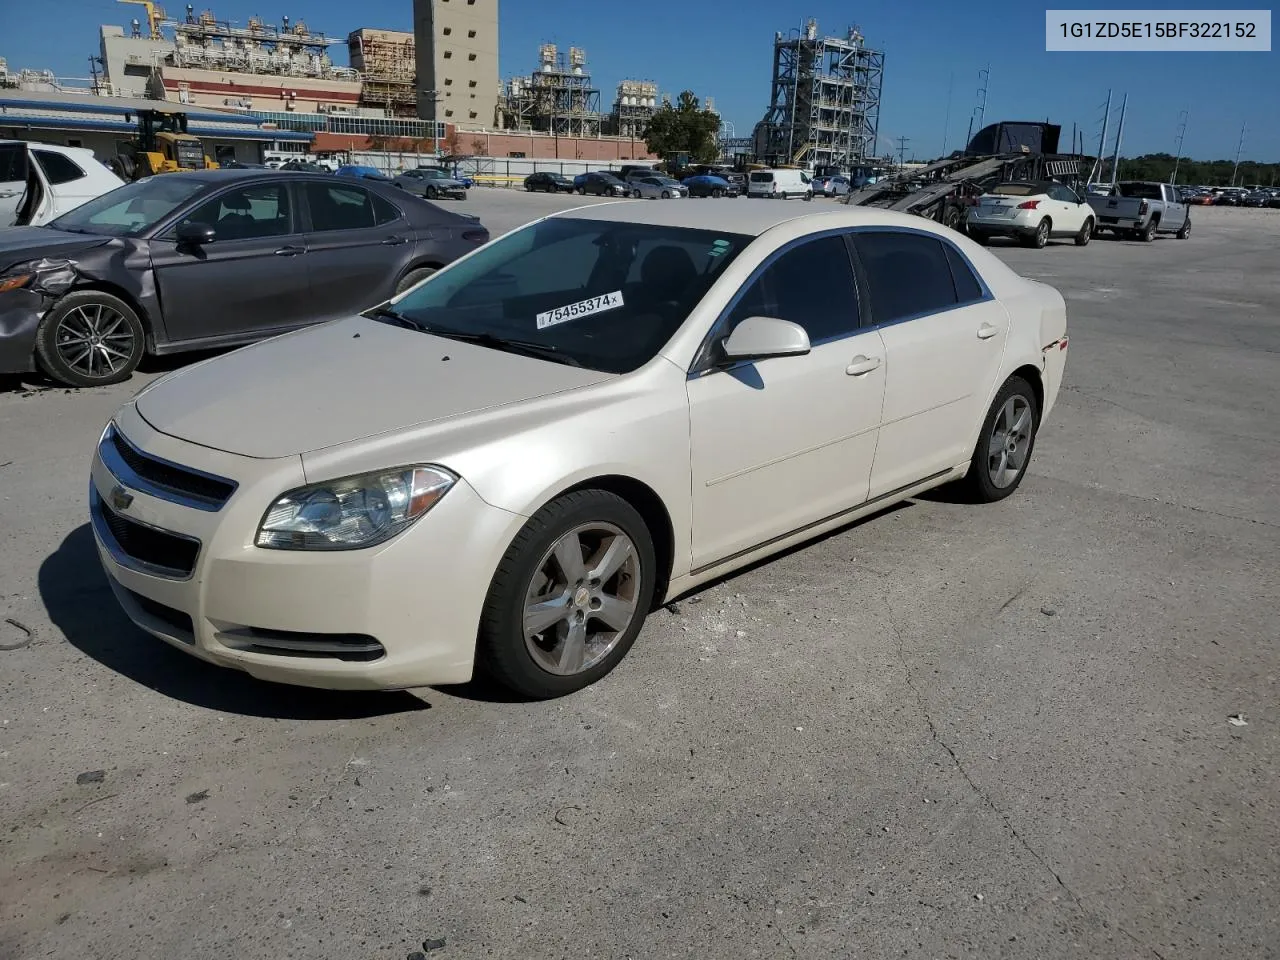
x: 340, y: 382
x: 19, y: 244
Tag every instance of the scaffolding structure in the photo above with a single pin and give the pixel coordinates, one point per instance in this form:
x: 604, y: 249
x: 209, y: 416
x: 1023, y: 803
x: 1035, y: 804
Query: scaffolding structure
x: 636, y: 103
x: 205, y: 43
x: 824, y: 110
x: 558, y: 98
x: 387, y: 65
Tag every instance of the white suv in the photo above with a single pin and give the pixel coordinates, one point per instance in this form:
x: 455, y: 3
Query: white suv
x: 41, y: 181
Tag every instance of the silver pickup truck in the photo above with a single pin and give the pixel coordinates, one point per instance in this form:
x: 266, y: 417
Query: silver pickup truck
x: 1141, y: 209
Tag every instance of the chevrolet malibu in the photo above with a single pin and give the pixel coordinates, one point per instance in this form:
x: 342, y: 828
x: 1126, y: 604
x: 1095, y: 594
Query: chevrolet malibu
x: 506, y: 467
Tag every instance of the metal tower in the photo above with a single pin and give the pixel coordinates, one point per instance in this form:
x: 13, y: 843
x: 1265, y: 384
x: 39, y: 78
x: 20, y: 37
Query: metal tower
x: 825, y: 104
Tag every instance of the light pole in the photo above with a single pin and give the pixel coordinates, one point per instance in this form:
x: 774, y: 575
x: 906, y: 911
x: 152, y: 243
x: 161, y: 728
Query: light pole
x: 1182, y: 132
x: 1239, y: 149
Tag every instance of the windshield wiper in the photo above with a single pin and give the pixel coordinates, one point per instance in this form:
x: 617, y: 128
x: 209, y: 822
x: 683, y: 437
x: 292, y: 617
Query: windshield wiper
x: 527, y: 347
x: 396, y: 317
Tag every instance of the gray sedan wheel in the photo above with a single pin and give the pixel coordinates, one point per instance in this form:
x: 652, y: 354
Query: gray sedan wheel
x: 569, y: 597
x: 90, y: 339
x: 413, y: 278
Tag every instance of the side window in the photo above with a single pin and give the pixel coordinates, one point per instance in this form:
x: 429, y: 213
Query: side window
x: 812, y: 285
x: 57, y: 168
x: 342, y: 207
x: 13, y: 162
x: 384, y: 211
x: 968, y: 289
x: 260, y: 210
x: 907, y: 274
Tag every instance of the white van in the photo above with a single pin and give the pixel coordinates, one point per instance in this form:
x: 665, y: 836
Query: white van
x: 779, y: 184
x: 41, y: 181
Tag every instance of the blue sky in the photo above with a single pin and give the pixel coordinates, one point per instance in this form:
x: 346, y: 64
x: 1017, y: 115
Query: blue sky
x: 724, y: 50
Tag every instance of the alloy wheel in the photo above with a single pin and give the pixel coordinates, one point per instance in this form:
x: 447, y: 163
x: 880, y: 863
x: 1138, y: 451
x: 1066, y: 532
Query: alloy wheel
x: 582, y: 598
x: 1010, y: 442
x: 94, y: 340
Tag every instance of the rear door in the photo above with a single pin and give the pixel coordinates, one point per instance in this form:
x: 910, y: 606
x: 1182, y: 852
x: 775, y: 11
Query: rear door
x: 249, y: 281
x: 68, y: 184
x: 944, y: 337
x: 358, y: 245
x: 13, y: 180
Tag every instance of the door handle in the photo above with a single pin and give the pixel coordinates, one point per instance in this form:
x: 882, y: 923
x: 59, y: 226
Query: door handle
x: 290, y: 251
x: 10, y: 193
x: 987, y: 331
x: 861, y: 365
x: 393, y: 241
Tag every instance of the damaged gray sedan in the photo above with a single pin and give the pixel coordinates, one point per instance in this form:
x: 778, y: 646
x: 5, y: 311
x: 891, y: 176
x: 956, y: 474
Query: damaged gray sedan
x: 189, y: 261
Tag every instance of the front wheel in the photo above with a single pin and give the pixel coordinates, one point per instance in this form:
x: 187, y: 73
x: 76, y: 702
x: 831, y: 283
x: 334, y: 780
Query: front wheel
x: 666, y: 194
x: 582, y: 191
x: 431, y: 193
x: 808, y: 195
x: 90, y: 339
x: 1005, y: 443
x: 569, y: 596
x: 635, y: 194
x: 717, y: 193
x: 1086, y: 233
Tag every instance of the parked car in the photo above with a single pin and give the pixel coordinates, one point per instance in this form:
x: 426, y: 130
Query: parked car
x: 360, y: 172
x: 307, y: 166
x: 431, y: 183
x: 1142, y: 209
x: 1258, y: 198
x: 508, y: 466
x: 209, y: 259
x: 706, y: 185
x: 735, y: 178
x: 239, y: 165
x: 833, y: 186
x: 779, y: 184
x: 657, y: 188
x: 629, y: 170
x: 549, y: 182
x: 453, y: 173
x: 42, y: 181
x: 602, y: 185
x: 1031, y: 212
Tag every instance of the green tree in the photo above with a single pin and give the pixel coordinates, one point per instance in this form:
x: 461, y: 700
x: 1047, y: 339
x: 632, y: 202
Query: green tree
x: 684, y: 127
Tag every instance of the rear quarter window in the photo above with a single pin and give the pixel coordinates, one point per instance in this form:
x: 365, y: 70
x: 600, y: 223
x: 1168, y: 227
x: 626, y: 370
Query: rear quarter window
x: 58, y: 168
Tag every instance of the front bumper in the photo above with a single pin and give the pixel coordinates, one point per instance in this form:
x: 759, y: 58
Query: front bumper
x: 20, y: 313
x: 398, y: 615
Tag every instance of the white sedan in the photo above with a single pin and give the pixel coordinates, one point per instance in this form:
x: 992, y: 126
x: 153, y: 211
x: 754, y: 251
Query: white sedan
x: 1031, y: 212
x: 509, y: 465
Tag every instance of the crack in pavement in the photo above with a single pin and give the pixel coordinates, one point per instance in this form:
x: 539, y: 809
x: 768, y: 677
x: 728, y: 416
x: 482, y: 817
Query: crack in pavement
x: 983, y: 795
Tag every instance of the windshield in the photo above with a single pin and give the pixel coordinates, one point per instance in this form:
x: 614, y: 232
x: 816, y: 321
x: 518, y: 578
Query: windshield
x: 599, y: 294
x: 1140, y: 191
x: 132, y: 209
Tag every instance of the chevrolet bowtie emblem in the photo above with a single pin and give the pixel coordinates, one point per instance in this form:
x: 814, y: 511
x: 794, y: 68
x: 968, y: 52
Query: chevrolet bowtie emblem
x: 120, y: 497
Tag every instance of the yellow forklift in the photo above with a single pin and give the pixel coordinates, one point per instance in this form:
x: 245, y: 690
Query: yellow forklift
x: 161, y: 146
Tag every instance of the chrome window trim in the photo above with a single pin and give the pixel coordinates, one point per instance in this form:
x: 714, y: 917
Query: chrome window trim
x: 130, y: 478
x: 108, y: 541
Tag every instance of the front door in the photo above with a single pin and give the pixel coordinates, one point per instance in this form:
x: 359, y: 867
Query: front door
x: 358, y: 245
x: 247, y: 281
x: 944, y: 338
x: 13, y: 180
x: 1069, y: 213
x: 782, y: 443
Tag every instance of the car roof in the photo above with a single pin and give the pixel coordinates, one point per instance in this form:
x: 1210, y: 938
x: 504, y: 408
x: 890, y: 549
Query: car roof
x: 751, y: 219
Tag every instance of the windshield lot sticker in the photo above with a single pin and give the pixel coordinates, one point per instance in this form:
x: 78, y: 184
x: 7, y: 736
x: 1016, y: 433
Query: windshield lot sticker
x: 583, y: 308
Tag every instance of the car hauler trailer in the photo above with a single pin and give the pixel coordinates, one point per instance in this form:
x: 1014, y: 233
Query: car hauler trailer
x: 945, y: 189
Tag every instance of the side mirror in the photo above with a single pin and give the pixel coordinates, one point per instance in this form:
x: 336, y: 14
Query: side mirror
x: 194, y: 234
x: 759, y: 338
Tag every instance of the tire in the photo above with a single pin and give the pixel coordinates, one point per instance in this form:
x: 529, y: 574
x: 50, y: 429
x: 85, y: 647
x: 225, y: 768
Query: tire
x: 582, y: 191
x: 717, y: 193
x: 1148, y: 235
x: 635, y: 194
x: 1014, y: 398
x: 1086, y: 233
x: 123, y: 167
x: 83, y: 315
x: 951, y: 218
x: 808, y: 196
x: 529, y: 570
x: 431, y: 193
x: 1038, y: 239
x: 529, y: 187
x: 413, y: 277
x: 1185, y: 230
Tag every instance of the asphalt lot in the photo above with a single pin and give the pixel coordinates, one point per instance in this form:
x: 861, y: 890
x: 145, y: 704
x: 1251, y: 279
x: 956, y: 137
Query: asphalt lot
x: 949, y: 731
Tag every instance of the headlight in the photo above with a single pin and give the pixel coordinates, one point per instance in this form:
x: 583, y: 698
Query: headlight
x: 354, y: 512
x: 15, y: 281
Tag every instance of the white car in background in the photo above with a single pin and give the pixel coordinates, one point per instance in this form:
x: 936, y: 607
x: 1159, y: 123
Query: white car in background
x: 506, y: 467
x: 40, y: 182
x: 1032, y: 212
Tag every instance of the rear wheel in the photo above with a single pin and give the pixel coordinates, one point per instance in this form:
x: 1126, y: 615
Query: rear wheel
x: 1086, y: 233
x: 413, y: 278
x: 1005, y: 443
x: 1148, y: 234
x: 90, y: 339
x: 582, y: 191
x: 951, y: 218
x: 635, y: 194
x: 1185, y: 230
x: 1038, y: 239
x: 569, y: 596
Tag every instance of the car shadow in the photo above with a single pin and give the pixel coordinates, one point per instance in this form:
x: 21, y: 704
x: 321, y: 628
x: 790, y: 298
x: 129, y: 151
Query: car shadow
x: 79, y: 601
